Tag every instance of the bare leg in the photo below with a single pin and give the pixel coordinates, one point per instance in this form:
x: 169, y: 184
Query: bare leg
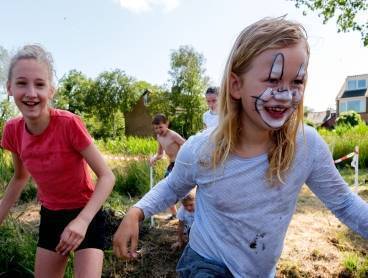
x: 88, y: 263
x: 49, y: 264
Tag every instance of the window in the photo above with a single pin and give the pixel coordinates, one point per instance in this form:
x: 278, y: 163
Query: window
x: 352, y: 105
x: 357, y: 84
x: 362, y: 84
x: 352, y: 85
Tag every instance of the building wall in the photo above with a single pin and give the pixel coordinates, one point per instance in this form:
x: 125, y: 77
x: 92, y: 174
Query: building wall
x: 138, y: 122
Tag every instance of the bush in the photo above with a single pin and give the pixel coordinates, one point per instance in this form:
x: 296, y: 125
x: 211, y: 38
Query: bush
x: 351, y: 118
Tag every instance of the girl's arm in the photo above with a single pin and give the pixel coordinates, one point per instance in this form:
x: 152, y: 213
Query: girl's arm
x: 14, y: 188
x: 326, y: 182
x: 166, y: 193
x: 74, y: 233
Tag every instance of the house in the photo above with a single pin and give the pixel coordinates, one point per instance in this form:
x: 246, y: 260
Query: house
x: 138, y: 122
x: 353, y: 96
x: 325, y: 119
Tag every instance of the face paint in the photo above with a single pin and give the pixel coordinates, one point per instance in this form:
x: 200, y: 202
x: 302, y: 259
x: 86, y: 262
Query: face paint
x: 275, y: 106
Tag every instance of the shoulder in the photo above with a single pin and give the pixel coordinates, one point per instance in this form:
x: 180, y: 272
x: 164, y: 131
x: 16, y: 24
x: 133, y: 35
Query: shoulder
x: 64, y: 115
x: 199, y: 143
x: 309, y: 135
x: 15, y: 122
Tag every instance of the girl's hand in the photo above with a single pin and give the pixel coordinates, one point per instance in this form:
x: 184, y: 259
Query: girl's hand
x: 125, y: 239
x: 72, y: 236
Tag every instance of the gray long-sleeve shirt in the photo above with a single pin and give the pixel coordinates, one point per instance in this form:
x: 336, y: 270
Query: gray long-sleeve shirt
x: 240, y: 219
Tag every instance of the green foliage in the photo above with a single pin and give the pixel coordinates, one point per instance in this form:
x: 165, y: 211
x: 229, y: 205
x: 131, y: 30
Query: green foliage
x: 17, y: 248
x: 351, y: 15
x: 343, y: 140
x: 130, y: 145
x: 7, y: 111
x: 134, y: 178
x: 29, y: 193
x: 355, y: 265
x: 188, y: 83
x: 6, y: 169
x: 350, y: 118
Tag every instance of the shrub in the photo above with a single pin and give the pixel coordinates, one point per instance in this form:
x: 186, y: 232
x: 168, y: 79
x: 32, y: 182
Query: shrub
x: 351, y: 118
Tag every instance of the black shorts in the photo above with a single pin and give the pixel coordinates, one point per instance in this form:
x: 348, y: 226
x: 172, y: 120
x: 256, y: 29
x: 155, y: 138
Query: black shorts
x: 52, y: 225
x: 169, y: 169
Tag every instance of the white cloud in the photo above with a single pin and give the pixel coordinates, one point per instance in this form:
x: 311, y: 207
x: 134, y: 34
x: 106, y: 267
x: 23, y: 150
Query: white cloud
x: 139, y: 6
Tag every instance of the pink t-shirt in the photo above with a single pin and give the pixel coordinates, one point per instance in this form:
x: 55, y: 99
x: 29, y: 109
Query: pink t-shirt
x: 53, y: 159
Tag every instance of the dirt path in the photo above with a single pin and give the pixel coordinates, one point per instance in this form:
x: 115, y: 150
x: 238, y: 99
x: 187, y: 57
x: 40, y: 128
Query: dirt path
x: 315, y: 244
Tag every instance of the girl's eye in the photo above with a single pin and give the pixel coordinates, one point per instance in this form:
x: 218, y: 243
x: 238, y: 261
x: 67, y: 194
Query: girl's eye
x: 299, y: 82
x: 40, y: 85
x: 273, y: 80
x: 21, y: 83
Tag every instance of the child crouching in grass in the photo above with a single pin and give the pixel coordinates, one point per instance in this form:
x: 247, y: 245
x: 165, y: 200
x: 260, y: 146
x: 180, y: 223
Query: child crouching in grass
x: 186, y: 218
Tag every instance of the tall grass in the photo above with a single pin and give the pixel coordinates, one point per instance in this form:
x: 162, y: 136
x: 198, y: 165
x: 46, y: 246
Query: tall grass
x: 6, y: 169
x: 344, y: 138
x: 133, y: 179
x: 129, y: 146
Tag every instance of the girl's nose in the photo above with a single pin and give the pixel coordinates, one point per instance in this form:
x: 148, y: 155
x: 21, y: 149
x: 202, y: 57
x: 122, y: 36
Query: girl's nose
x: 284, y: 95
x: 31, y: 91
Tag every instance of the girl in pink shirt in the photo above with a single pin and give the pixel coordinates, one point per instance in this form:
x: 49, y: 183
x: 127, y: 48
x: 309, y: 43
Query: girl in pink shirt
x: 54, y: 147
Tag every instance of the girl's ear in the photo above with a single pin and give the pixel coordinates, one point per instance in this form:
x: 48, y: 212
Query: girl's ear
x: 52, y: 92
x: 235, y: 86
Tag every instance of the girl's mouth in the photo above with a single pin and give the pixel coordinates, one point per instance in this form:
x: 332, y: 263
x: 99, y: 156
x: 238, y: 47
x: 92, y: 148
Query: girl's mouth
x: 276, y: 112
x: 30, y: 103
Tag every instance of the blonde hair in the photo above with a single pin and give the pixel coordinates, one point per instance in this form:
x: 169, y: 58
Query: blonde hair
x: 36, y: 52
x: 265, y: 34
x: 189, y: 197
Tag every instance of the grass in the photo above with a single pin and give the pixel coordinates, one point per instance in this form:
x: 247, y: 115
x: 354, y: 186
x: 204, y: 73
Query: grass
x: 134, y: 146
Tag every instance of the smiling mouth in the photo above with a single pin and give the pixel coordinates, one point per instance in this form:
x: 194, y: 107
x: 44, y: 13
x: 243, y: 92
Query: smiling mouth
x: 30, y: 103
x: 276, y: 111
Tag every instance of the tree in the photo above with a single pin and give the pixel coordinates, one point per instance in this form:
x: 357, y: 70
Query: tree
x: 188, y: 83
x: 74, y: 89
x: 112, y: 95
x: 350, y: 118
x: 351, y: 14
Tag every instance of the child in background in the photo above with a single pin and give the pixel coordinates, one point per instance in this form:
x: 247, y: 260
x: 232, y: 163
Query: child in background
x: 210, y: 117
x: 186, y: 218
x: 250, y: 169
x: 54, y: 147
x: 169, y: 142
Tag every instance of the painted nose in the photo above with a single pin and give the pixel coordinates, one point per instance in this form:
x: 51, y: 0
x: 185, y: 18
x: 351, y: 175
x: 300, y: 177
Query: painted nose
x: 284, y: 95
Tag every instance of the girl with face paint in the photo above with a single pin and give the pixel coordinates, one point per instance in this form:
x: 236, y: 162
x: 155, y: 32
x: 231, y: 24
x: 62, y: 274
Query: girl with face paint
x: 250, y: 169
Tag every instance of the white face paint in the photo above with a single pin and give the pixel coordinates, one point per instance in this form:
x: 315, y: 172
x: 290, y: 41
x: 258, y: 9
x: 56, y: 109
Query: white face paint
x: 276, y: 105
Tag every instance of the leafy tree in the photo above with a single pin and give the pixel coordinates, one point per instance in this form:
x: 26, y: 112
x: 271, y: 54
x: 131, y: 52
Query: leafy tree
x: 188, y: 83
x: 74, y: 89
x: 351, y: 14
x: 112, y: 95
x: 350, y: 118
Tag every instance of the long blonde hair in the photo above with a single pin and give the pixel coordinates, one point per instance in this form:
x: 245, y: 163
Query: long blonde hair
x: 268, y: 33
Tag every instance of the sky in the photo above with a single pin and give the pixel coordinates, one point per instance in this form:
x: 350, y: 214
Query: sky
x: 138, y: 36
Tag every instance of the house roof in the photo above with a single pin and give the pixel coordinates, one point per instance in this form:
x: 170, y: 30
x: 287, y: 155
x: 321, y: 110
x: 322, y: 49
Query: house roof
x: 354, y: 93
x: 319, y: 118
